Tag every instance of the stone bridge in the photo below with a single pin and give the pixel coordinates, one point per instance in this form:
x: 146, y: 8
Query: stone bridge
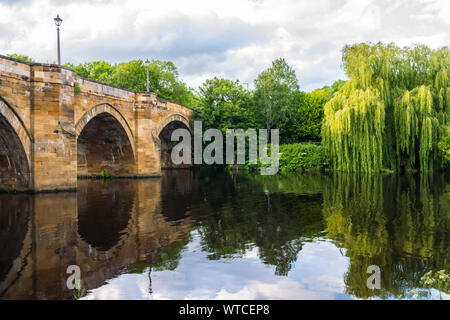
x: 55, y: 127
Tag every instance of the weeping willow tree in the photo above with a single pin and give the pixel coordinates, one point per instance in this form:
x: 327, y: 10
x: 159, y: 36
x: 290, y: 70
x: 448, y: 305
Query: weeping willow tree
x: 392, y: 112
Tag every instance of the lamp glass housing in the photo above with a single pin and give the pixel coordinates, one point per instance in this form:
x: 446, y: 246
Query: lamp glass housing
x: 58, y: 20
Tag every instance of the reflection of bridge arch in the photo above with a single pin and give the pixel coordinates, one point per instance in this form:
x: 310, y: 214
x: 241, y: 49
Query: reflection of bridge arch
x: 103, y: 224
x: 15, y: 145
x: 15, y: 238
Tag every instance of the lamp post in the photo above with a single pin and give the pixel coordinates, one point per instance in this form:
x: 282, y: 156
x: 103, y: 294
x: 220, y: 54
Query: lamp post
x: 58, y: 22
x: 147, y: 64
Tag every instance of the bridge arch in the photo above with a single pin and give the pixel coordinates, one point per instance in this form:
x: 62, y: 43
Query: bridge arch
x: 164, y: 132
x: 15, y: 146
x: 173, y: 118
x: 105, y: 142
x: 106, y: 108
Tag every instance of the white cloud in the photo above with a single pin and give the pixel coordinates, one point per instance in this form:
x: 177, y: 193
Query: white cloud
x: 232, y: 39
x: 283, y: 289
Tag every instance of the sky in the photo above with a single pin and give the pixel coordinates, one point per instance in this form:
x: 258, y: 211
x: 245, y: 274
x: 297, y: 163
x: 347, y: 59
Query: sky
x: 232, y: 39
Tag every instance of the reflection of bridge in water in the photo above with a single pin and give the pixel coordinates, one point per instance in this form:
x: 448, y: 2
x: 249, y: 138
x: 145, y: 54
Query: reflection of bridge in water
x: 102, y: 229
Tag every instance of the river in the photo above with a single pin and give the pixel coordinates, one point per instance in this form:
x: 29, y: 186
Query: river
x: 215, y: 235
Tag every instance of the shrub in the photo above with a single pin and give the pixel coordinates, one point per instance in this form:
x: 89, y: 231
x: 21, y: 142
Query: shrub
x: 297, y: 157
x: 302, y: 157
x: 105, y: 175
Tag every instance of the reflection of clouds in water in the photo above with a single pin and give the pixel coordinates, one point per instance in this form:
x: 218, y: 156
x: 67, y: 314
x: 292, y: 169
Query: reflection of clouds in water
x: 126, y: 286
x: 281, y: 289
x: 321, y: 267
x: 316, y: 275
x: 251, y: 254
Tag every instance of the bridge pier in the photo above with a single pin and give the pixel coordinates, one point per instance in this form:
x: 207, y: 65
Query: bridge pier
x: 54, y: 160
x: 56, y: 126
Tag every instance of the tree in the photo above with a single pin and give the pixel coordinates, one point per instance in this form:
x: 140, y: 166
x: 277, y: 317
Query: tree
x: 392, y: 111
x: 132, y: 75
x: 337, y: 85
x: 21, y: 57
x: 224, y: 104
x: 163, y: 80
x: 309, y: 108
x: 310, y: 113
x: 275, y: 90
x: 95, y: 70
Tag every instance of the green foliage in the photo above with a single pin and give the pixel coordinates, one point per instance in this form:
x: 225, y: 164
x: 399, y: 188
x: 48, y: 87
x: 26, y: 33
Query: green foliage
x: 21, y: 57
x: 95, y: 70
x: 439, y: 280
x: 389, y: 114
x: 130, y: 75
x: 79, y: 290
x: 224, y: 104
x: 296, y: 157
x: 444, y: 146
x: 275, y: 92
x: 76, y: 88
x: 163, y: 78
x: 310, y: 113
x: 302, y: 157
x: 105, y: 175
x: 337, y: 85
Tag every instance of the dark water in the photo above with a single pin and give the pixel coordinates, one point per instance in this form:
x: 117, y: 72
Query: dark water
x: 209, y: 234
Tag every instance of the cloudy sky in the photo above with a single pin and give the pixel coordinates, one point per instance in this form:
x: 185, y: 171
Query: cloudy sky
x: 231, y: 39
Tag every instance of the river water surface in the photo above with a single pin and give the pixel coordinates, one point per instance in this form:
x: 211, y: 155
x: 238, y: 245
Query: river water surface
x: 216, y: 235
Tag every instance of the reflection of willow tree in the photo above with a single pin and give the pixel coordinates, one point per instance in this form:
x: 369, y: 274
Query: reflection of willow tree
x: 398, y: 223
x: 259, y: 212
